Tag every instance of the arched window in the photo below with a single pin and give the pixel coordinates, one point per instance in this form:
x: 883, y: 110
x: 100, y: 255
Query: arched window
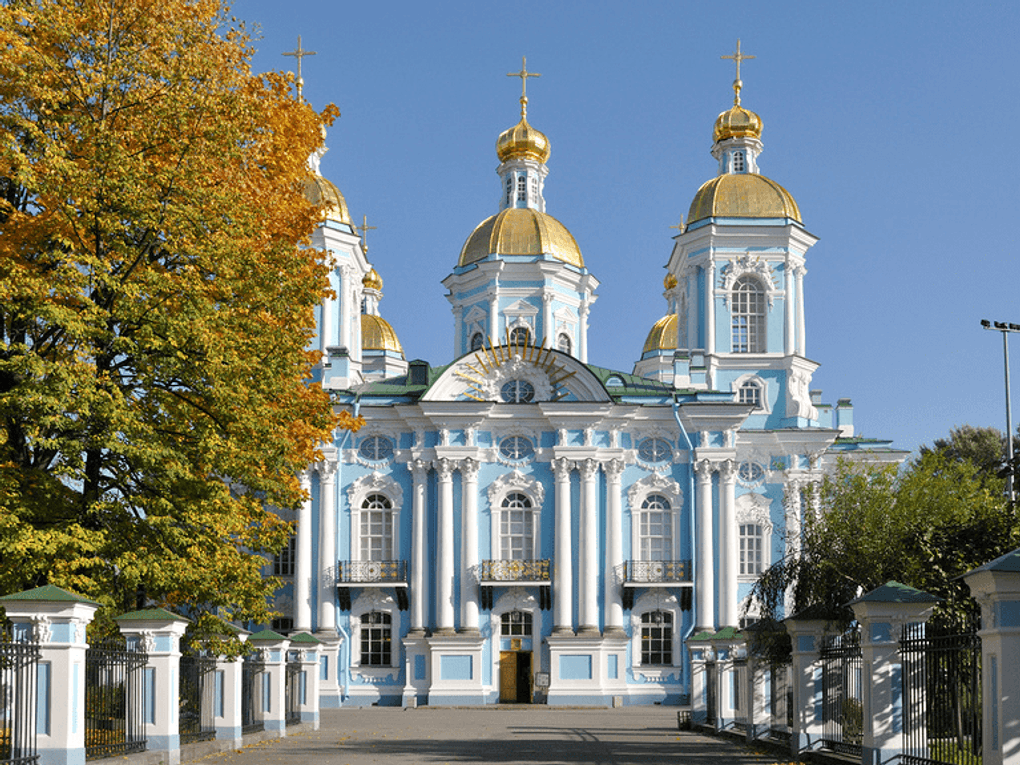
x: 752, y: 545
x: 750, y: 393
x: 516, y: 527
x: 476, y: 341
x: 509, y: 189
x: 376, y: 639
x: 517, y: 392
x: 515, y: 624
x: 520, y: 337
x: 657, y: 638
x: 656, y: 529
x: 376, y: 527
x: 522, y: 189
x: 563, y: 342
x: 748, y: 328
x: 738, y: 162
x: 654, y: 450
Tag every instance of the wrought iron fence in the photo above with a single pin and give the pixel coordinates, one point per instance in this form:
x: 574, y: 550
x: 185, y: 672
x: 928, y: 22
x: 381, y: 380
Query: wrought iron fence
x: 941, y: 679
x: 197, y: 697
x: 711, y: 694
x: 252, y: 675
x: 19, y: 660
x: 114, y: 699
x: 359, y: 571
x: 294, y: 688
x: 780, y: 702
x: 842, y: 697
x: 655, y: 571
x: 515, y: 570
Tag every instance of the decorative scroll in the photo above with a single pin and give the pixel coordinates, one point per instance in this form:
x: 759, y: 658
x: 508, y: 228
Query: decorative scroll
x: 657, y: 571
x: 361, y: 571
x: 515, y: 570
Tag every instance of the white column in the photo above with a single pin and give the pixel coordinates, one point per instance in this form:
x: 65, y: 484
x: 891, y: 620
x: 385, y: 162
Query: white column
x: 589, y: 616
x: 563, y: 577
x: 469, y: 547
x: 343, y: 292
x: 445, y: 553
x: 494, y: 334
x: 303, y: 565
x: 793, y: 526
x: 419, y: 471
x: 327, y: 546
x: 801, y: 333
x: 704, y: 592
x: 582, y: 335
x: 790, y: 341
x: 548, y: 325
x: 728, y: 546
x: 460, y: 345
x: 710, y: 308
x: 614, y: 548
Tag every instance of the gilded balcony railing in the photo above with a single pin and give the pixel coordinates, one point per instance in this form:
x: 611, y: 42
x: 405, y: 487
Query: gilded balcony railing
x: 515, y: 570
x: 365, y: 571
x: 657, y: 571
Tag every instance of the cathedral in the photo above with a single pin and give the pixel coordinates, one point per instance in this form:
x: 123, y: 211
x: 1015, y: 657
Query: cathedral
x: 520, y: 525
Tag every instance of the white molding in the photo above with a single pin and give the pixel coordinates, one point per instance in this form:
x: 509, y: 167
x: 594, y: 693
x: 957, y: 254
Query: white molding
x: 374, y: 483
x: 636, y: 495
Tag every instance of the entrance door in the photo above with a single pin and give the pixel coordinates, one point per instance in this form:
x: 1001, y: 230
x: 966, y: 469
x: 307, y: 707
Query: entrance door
x: 524, y: 677
x: 508, y: 677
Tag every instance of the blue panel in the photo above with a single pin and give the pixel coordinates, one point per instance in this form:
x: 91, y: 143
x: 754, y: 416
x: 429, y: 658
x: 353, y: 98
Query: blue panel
x: 456, y: 667
x: 75, y: 680
x: 575, y: 667
x: 163, y: 644
x: 897, y: 698
x: 614, y: 669
x: 267, y: 692
x: 419, y: 667
x: 881, y: 632
x: 995, y: 703
x: 1008, y: 613
x: 61, y: 632
x: 149, y: 695
x: 805, y: 642
x: 324, y: 667
x: 303, y: 691
x: 818, y: 696
x: 219, y: 691
x: 43, y: 676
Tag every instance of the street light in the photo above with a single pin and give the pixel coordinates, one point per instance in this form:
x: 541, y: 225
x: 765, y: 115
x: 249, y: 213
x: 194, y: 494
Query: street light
x: 1004, y: 328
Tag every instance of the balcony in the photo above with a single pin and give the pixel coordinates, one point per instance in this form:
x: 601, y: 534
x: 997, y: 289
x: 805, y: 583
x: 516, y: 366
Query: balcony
x: 657, y: 573
x: 371, y: 573
x: 507, y: 573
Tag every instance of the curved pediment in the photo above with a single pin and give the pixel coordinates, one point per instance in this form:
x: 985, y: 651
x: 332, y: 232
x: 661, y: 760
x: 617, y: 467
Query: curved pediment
x: 522, y: 374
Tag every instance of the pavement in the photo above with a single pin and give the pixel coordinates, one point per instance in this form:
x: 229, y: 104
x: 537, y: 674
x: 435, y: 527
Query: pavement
x: 508, y: 735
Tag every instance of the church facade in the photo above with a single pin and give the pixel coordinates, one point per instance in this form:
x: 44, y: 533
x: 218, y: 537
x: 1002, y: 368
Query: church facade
x: 522, y: 525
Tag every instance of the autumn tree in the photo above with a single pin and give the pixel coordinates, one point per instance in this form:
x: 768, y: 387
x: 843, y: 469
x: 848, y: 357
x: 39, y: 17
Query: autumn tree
x: 155, y: 303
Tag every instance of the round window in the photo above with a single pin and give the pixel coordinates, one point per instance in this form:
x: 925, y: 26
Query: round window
x: 751, y: 472
x: 516, y: 448
x: 654, y: 450
x: 376, y: 448
x: 517, y: 392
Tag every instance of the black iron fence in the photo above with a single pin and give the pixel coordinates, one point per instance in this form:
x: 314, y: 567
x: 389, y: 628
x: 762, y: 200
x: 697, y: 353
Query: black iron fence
x: 115, y: 709
x: 780, y: 702
x: 19, y: 660
x: 294, y: 691
x: 842, y: 693
x: 941, y: 677
x: 515, y: 570
x: 252, y: 693
x: 197, y: 697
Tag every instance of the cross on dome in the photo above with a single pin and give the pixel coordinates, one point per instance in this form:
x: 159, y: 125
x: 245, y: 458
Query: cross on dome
x: 299, y: 54
x: 364, y: 228
x: 524, y: 74
x: 737, y: 57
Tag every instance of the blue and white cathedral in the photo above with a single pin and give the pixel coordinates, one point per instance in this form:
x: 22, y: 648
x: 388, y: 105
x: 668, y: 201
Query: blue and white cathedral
x: 521, y: 525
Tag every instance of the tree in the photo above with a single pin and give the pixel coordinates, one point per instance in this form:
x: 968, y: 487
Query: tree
x: 156, y: 303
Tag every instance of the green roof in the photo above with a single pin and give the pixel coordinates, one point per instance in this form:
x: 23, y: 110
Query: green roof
x: 152, y: 615
x: 1010, y: 562
x: 894, y: 592
x: 266, y: 635
x: 47, y: 594
x: 304, y: 637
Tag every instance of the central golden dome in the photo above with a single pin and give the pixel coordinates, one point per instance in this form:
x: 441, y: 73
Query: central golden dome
x: 522, y: 141
x: 378, y: 335
x: 320, y: 191
x: 521, y: 231
x: 742, y: 195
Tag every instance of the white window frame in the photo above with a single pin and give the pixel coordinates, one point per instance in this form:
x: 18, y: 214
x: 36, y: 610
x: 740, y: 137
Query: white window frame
x: 756, y: 328
x: 656, y: 600
x: 374, y: 600
x: 512, y: 483
x: 754, y: 509
x: 639, y: 491
x: 763, y: 388
x: 357, y: 493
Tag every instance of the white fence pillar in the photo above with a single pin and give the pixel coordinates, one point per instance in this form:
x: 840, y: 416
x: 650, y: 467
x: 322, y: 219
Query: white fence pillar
x: 882, y: 613
x: 996, y: 586
x: 700, y: 647
x: 272, y: 700
x: 58, y: 620
x: 159, y: 633
x: 307, y: 647
x: 806, y: 635
x: 756, y: 692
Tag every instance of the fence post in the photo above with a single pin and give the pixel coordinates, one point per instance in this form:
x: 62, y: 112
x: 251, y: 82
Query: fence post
x: 996, y: 587
x: 756, y: 693
x: 159, y: 631
x: 58, y: 620
x: 729, y: 648
x: 700, y: 647
x: 308, y: 646
x: 882, y: 613
x: 227, y: 711
x: 273, y: 700
x: 806, y: 636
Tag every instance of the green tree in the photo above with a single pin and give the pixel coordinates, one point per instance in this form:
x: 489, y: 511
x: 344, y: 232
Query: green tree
x: 157, y: 303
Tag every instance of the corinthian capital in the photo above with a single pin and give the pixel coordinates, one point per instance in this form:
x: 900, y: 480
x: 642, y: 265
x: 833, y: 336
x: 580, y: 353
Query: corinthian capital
x: 589, y: 469
x: 561, y: 468
x: 614, y: 469
x: 444, y: 468
x: 469, y: 469
x: 326, y: 470
x: 704, y: 470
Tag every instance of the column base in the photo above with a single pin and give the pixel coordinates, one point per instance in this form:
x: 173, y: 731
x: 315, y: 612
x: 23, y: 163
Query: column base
x: 614, y: 632
x: 563, y: 631
x: 444, y: 632
x: 469, y: 632
x: 416, y: 633
x: 588, y: 630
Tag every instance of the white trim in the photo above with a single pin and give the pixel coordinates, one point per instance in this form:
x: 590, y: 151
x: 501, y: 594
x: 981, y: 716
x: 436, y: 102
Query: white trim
x: 764, y: 406
x: 376, y: 600
x: 515, y: 599
x: 498, y: 490
x: 754, y: 509
x: 659, y: 600
x: 357, y: 492
x: 638, y: 492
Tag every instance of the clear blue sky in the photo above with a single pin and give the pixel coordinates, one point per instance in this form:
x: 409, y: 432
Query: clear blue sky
x: 892, y: 123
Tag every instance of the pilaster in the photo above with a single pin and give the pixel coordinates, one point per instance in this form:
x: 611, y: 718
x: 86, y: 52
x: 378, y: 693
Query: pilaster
x: 563, y: 569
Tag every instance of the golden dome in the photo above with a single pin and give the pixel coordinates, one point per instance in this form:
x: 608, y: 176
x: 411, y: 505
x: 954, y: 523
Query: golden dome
x: 737, y: 122
x: 669, y: 282
x: 372, y: 280
x: 522, y: 141
x: 742, y: 195
x: 378, y: 335
x: 662, y: 337
x: 319, y: 190
x: 521, y: 231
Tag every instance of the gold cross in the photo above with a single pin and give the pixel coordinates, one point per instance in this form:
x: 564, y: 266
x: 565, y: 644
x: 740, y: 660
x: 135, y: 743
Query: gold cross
x: 680, y: 225
x: 737, y: 84
x: 364, y: 228
x: 299, y: 54
x: 524, y: 74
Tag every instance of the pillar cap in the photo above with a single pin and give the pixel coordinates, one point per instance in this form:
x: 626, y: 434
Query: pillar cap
x: 895, y: 592
x: 305, y: 638
x: 49, y: 593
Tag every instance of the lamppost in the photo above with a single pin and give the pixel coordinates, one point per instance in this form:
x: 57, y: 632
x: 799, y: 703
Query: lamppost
x: 1004, y: 328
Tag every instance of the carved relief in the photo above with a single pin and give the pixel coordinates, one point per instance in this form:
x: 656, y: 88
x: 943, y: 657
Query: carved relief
x: 516, y: 480
x: 748, y: 265
x: 375, y: 483
x: 654, y: 484
x: 798, y: 396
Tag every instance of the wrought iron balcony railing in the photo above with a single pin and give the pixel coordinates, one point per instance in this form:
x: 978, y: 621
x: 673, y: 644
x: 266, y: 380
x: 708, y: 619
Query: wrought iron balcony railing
x: 656, y: 571
x: 369, y: 571
x: 515, y: 571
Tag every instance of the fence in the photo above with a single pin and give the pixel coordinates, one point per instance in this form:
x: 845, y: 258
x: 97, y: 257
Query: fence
x: 780, y: 703
x: 294, y: 690
x: 842, y: 699
x: 19, y: 660
x: 941, y: 676
x: 197, y: 698
x: 114, y: 699
x: 252, y: 690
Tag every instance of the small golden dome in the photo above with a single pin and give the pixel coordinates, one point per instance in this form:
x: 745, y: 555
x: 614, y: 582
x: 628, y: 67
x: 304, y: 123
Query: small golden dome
x: 378, y: 335
x: 319, y: 190
x: 522, y: 141
x: 669, y: 282
x: 745, y: 195
x: 372, y: 280
x: 737, y: 122
x: 521, y: 231
x: 662, y: 337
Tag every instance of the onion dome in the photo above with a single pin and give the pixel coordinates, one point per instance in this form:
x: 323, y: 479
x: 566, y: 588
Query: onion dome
x: 372, y: 280
x: 662, y: 336
x: 522, y: 141
x: 320, y: 191
x: 521, y: 231
x: 748, y: 195
x: 669, y: 282
x: 737, y: 122
x: 378, y: 335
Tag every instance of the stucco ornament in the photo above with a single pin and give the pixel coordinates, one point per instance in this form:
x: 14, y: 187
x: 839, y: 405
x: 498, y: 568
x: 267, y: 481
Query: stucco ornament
x: 515, y: 479
x: 798, y: 396
x: 748, y: 265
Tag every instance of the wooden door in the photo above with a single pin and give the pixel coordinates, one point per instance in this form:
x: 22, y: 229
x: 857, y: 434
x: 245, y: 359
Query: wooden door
x: 508, y: 677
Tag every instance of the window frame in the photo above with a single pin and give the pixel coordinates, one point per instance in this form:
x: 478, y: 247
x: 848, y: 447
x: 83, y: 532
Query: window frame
x: 748, y: 316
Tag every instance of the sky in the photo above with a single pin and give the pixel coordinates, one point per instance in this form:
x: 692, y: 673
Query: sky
x: 892, y: 124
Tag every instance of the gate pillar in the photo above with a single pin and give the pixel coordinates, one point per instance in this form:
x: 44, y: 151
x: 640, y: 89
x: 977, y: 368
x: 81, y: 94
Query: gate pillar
x: 806, y: 636
x: 272, y: 699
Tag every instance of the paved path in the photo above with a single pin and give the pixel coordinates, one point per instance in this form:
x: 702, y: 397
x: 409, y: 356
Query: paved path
x: 508, y: 736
